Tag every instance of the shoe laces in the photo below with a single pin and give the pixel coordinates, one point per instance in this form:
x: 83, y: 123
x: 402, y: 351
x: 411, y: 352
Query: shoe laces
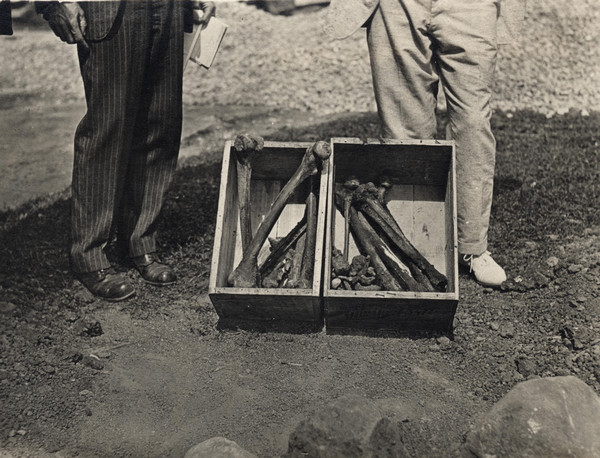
x: 468, y: 258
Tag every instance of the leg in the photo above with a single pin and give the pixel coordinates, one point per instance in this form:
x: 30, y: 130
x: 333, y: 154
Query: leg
x: 157, y: 130
x: 110, y: 73
x: 403, y: 75
x: 466, y: 33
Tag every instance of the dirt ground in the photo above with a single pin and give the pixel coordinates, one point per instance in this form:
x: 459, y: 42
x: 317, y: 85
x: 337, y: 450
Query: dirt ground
x: 153, y: 376
x: 157, y: 374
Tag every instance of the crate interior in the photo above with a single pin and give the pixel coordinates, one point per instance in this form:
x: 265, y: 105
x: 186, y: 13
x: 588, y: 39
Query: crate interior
x: 420, y: 199
x: 272, y: 168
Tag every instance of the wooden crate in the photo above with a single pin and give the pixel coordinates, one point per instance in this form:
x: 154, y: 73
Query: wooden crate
x: 423, y: 202
x: 272, y: 168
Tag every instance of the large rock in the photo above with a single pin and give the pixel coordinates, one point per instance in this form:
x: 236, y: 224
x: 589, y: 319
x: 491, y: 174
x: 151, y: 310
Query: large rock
x: 349, y: 427
x: 218, y: 447
x: 545, y: 418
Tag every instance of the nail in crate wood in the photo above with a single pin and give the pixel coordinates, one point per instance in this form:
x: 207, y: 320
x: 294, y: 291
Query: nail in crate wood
x: 422, y: 201
x: 272, y: 167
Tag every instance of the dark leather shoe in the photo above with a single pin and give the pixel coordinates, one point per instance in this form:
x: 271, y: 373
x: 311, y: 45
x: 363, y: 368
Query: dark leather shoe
x: 153, y: 271
x: 107, y: 284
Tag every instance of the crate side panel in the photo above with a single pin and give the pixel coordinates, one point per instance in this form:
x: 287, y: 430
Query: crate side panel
x: 277, y: 161
x: 227, y: 230
x: 429, y: 225
x: 404, y: 160
x: 406, y: 315
x: 321, y: 187
x: 267, y: 307
x: 400, y: 201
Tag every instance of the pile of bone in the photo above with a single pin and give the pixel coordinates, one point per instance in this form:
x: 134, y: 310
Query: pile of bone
x: 290, y: 264
x: 388, y: 260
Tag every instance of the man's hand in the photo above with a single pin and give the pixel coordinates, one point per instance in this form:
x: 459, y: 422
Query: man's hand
x: 67, y: 21
x: 208, y: 10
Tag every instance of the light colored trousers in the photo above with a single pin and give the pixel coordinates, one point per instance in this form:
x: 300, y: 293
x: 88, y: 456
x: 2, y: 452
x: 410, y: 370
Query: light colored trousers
x: 415, y: 43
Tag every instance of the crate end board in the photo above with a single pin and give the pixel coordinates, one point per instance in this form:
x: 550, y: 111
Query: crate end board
x: 272, y: 167
x: 406, y: 315
x: 423, y: 202
x: 272, y: 304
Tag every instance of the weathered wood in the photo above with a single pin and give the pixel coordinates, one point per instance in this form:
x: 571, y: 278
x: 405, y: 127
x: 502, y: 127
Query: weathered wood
x: 422, y: 199
x: 272, y: 168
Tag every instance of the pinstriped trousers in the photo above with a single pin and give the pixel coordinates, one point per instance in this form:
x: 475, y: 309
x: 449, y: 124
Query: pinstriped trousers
x: 415, y: 43
x: 126, y: 145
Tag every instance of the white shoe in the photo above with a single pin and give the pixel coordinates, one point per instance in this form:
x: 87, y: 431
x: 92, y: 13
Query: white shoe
x: 486, y: 270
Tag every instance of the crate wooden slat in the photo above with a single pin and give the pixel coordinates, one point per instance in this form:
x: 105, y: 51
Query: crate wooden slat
x: 271, y: 169
x: 423, y: 202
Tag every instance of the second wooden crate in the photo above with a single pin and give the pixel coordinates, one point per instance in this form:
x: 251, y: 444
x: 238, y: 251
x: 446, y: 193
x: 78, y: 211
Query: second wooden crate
x: 423, y: 202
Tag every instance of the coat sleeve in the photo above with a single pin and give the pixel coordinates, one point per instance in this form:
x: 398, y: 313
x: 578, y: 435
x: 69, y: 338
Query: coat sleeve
x: 344, y: 17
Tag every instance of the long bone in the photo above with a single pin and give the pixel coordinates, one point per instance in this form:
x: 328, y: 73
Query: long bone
x: 308, y: 258
x: 246, y: 274
x: 296, y: 269
x: 366, y: 200
x: 349, y: 185
x: 281, y: 247
x: 245, y: 146
x: 401, y: 275
x: 368, y: 241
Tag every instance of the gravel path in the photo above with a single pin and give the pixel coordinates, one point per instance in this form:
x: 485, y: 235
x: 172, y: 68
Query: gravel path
x: 287, y: 62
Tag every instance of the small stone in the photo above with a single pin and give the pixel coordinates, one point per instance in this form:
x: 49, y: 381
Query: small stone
x: 21, y: 432
x: 7, y: 307
x: 83, y: 295
x: 574, y: 268
x: 48, y: 369
x: 552, y: 261
x: 85, y: 393
x: 581, y: 299
x: 12, y: 433
x: 488, y: 290
x: 92, y: 362
x: 507, y: 331
x: 443, y: 340
x: 494, y: 326
x: 526, y: 367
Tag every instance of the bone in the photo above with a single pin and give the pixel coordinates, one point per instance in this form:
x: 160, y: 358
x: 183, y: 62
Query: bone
x: 358, y: 224
x: 349, y: 186
x: 246, y: 274
x: 383, y: 186
x: 294, y: 277
x: 281, y: 247
x: 245, y: 146
x: 365, y: 199
x: 339, y: 265
x: 278, y: 276
x: 308, y: 258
